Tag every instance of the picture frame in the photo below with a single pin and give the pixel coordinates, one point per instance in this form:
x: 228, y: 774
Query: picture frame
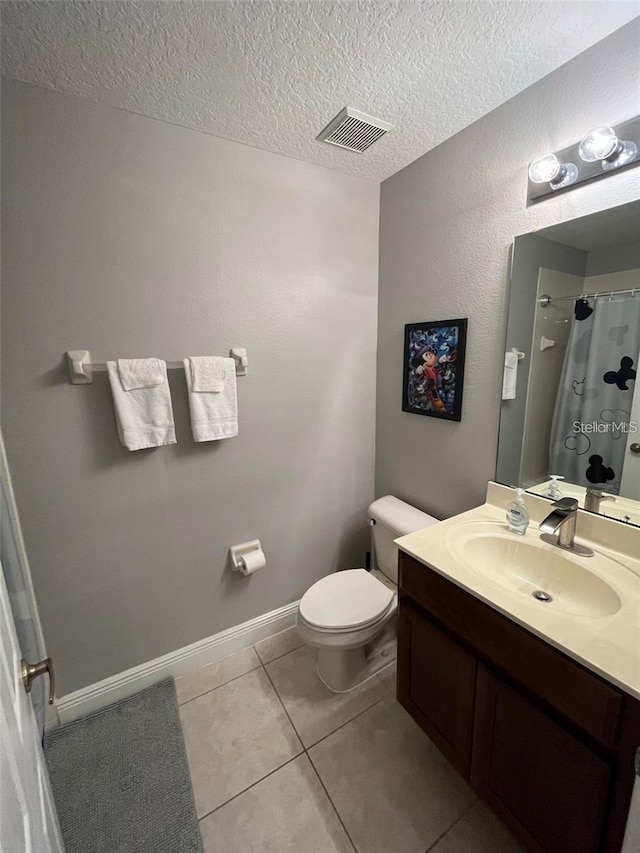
x: 433, y: 377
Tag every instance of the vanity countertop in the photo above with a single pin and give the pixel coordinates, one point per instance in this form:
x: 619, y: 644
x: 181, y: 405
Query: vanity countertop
x: 608, y: 645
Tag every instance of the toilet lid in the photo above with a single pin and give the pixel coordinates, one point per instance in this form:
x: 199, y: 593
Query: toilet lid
x: 349, y: 599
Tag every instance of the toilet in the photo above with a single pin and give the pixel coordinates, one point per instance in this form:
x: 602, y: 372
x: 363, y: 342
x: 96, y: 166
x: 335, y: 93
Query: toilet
x: 349, y: 616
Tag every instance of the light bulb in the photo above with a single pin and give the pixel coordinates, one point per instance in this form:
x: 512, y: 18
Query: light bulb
x: 544, y: 169
x: 599, y: 143
x: 549, y: 169
x: 602, y: 144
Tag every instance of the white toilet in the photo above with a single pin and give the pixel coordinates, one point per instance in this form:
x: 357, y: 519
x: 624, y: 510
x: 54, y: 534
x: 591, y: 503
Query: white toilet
x: 349, y: 615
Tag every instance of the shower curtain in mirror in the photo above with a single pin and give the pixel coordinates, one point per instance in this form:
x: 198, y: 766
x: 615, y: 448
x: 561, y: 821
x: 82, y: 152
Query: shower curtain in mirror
x: 591, y: 420
x: 16, y: 572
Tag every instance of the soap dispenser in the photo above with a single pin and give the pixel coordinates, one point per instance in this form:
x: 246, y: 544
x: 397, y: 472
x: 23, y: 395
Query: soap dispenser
x: 517, y: 514
x: 553, y: 489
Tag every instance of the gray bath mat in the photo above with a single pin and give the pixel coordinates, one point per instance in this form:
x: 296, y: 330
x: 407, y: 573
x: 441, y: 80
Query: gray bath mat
x: 120, y: 778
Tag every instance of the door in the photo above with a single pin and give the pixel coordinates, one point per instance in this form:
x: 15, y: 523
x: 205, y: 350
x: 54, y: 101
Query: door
x: 550, y: 788
x: 28, y: 822
x: 436, y: 684
x: 630, y: 484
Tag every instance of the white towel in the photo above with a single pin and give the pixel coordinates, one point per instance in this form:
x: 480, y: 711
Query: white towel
x: 143, y: 415
x: 141, y: 372
x: 207, y: 372
x: 213, y: 415
x: 510, y: 377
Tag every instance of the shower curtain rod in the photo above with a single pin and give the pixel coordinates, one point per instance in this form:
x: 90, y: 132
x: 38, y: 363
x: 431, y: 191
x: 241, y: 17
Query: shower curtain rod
x: 545, y: 300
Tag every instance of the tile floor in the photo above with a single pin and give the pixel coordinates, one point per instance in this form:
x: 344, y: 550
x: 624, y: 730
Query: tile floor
x: 280, y: 764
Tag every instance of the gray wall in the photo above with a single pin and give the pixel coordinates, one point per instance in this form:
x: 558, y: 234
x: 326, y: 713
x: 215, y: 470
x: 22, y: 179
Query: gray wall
x: 619, y: 258
x: 446, y: 225
x: 530, y: 252
x: 132, y: 237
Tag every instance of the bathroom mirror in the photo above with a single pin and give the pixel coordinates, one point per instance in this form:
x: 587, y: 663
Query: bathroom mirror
x: 570, y: 415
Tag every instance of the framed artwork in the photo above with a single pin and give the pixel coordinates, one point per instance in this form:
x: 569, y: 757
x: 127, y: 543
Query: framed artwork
x: 434, y: 368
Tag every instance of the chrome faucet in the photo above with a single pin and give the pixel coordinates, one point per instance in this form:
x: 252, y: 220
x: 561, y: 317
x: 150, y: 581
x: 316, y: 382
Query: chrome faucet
x: 594, y: 498
x: 562, y: 521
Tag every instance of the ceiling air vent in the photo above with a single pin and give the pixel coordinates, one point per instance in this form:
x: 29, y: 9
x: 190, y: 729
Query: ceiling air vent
x: 353, y: 130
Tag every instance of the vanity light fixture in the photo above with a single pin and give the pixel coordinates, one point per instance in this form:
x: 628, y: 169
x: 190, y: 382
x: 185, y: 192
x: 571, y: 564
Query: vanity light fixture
x: 603, y: 150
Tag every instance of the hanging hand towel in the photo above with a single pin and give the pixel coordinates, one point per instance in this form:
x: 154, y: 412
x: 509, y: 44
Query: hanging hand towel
x: 141, y: 372
x: 510, y: 377
x: 207, y: 373
x: 143, y: 414
x: 214, y: 415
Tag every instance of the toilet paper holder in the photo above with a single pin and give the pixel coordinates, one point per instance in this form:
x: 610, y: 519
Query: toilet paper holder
x: 239, y: 551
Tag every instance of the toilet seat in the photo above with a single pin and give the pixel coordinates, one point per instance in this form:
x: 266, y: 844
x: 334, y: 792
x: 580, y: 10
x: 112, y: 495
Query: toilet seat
x: 348, y: 632
x: 346, y: 601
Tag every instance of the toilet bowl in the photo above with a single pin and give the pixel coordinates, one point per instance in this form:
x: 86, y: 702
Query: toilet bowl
x: 349, y: 616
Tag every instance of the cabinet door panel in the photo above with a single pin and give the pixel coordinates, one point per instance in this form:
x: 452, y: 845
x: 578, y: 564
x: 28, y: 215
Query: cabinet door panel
x: 579, y: 695
x: 549, y: 787
x: 436, y: 684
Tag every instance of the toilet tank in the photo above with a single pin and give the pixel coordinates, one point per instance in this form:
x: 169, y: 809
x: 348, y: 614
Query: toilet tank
x: 391, y: 518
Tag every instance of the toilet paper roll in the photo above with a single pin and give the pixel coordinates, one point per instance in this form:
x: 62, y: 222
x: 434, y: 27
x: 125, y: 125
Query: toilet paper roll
x: 251, y: 562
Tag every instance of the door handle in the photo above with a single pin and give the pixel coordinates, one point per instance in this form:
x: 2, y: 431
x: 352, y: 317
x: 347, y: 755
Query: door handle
x: 34, y: 670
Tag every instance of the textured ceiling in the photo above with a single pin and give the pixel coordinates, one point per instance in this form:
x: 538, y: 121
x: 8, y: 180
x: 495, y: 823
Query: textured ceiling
x: 271, y: 73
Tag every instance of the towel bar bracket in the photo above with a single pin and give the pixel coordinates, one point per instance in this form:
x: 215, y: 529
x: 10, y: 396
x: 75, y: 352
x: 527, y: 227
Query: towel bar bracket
x: 81, y: 368
x: 239, y: 355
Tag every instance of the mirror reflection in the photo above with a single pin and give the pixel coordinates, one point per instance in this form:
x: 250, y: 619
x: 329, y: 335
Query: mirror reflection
x: 569, y: 424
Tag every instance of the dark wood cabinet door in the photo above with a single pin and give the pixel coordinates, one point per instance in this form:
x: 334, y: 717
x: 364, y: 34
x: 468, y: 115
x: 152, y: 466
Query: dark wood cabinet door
x: 436, y: 684
x: 548, y: 786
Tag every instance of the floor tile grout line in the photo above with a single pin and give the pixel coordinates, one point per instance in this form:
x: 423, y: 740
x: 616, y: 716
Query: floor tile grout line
x: 346, y: 723
x: 310, y: 760
x: 304, y: 749
x: 333, y: 731
x: 260, y: 663
x: 252, y: 785
x: 284, y: 708
x: 211, y: 689
x: 333, y: 805
x: 451, y: 826
x: 277, y: 657
x: 377, y: 702
x: 271, y: 772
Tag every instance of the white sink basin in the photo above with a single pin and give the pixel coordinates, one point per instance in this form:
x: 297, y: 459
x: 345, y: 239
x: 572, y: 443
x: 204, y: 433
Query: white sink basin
x: 525, y: 565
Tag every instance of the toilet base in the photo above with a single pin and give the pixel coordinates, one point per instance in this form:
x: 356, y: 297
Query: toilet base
x: 342, y: 670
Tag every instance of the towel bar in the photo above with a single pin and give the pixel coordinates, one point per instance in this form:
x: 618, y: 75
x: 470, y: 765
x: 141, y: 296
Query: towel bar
x: 81, y: 368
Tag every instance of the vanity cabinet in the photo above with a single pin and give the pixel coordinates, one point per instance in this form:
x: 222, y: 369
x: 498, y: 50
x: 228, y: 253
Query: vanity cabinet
x: 545, y: 742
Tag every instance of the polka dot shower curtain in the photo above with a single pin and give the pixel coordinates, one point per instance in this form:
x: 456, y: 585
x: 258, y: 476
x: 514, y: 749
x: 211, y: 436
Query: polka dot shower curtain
x: 592, y: 415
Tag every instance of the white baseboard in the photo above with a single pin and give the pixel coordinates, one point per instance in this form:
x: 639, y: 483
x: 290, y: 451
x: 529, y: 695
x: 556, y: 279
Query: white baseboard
x: 176, y: 663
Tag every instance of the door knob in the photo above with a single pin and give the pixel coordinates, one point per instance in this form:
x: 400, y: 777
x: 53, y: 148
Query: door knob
x: 635, y: 447
x: 34, y: 670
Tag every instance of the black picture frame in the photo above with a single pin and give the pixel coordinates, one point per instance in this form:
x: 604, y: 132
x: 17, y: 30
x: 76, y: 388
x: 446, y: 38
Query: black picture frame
x: 433, y: 377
